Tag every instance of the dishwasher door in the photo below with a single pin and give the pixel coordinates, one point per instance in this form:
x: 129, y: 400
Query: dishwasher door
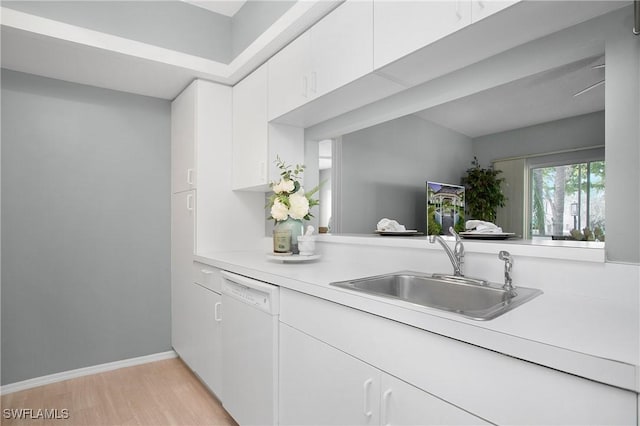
x: 250, y: 350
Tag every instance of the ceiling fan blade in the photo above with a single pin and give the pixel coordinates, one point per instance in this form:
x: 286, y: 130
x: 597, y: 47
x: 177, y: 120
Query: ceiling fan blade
x: 593, y: 86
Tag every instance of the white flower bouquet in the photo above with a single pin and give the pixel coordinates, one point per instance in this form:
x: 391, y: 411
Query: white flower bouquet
x: 288, y: 198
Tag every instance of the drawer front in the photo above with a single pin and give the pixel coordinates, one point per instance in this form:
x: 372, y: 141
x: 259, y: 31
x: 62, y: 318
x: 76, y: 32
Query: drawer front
x: 493, y: 386
x: 207, y: 276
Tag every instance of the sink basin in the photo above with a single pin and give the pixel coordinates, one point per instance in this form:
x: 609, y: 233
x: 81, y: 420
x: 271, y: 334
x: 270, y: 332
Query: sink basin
x: 471, y: 298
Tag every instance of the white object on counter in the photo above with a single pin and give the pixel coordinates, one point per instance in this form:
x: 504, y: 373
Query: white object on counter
x: 309, y: 231
x: 390, y: 225
x: 307, y: 242
x: 482, y: 227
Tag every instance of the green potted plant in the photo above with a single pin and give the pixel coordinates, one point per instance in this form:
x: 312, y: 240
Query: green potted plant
x: 483, y: 192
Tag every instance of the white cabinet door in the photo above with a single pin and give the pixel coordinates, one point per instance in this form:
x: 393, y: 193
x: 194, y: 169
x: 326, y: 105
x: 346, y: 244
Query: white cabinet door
x: 206, y: 313
x: 320, y: 385
x: 289, y: 77
x: 183, y: 140
x: 401, y: 27
x: 250, y: 130
x: 341, y: 47
x: 480, y: 9
x: 403, y: 404
x: 256, y: 143
x: 182, y: 240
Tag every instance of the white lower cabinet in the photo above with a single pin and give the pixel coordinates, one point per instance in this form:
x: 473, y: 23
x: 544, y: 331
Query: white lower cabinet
x: 403, y: 404
x: 196, y: 322
x: 206, y: 312
x: 442, y: 380
x: 320, y: 384
x: 182, y: 242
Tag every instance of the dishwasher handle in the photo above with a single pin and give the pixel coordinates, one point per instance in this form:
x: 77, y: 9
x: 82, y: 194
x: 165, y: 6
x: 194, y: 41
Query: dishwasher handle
x: 239, y: 286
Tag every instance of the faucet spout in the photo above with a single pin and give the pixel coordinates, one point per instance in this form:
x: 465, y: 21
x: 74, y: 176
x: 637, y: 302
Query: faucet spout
x: 456, y: 256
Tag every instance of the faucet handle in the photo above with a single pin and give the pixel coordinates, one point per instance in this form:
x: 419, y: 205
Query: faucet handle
x: 505, y: 255
x: 507, y: 258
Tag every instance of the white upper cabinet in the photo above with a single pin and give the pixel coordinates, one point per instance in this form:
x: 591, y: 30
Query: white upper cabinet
x: 334, y: 52
x: 341, y: 47
x: 250, y: 145
x: 289, y: 77
x: 482, y: 8
x: 256, y: 143
x: 183, y: 140
x: 402, y: 27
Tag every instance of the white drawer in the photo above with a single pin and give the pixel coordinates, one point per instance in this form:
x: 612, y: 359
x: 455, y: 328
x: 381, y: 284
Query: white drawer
x: 207, y: 276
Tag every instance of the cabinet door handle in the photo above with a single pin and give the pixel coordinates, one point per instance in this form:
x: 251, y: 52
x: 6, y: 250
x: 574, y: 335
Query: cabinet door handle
x: 481, y: 4
x: 190, y: 202
x: 386, y: 397
x: 458, y: 12
x: 365, y: 391
x: 190, y: 176
x: 216, y: 312
x: 206, y: 271
x: 314, y: 82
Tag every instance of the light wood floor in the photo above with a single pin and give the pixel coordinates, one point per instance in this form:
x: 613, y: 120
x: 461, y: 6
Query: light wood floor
x: 154, y: 394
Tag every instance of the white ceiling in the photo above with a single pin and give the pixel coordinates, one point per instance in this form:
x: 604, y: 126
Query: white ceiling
x: 543, y: 97
x: 223, y: 7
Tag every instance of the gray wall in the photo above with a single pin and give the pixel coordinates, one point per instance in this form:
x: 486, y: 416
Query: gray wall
x: 86, y: 226
x: 570, y: 133
x: 253, y: 18
x: 171, y: 24
x: 385, y: 169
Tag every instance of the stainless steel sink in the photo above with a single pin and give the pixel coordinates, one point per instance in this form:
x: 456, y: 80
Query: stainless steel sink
x: 471, y: 298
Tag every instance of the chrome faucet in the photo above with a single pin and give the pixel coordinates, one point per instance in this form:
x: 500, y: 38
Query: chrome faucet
x: 456, y: 256
x: 508, y: 266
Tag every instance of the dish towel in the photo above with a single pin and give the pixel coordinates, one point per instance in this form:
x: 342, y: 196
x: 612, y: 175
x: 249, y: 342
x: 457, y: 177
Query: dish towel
x: 390, y: 225
x: 482, y: 227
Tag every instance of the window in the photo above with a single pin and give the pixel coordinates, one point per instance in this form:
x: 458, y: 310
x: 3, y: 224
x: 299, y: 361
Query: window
x: 567, y: 197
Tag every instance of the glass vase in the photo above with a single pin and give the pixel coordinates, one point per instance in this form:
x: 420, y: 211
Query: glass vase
x: 293, y: 228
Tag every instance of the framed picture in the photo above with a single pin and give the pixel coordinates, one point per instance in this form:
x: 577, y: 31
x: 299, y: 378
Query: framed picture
x: 445, y: 208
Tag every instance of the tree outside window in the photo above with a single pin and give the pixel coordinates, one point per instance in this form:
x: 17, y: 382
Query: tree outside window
x: 568, y: 197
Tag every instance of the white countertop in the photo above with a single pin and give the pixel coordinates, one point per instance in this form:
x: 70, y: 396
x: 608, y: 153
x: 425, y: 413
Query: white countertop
x: 587, y: 336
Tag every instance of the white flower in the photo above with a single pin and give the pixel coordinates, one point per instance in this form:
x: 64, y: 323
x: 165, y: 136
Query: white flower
x: 299, y: 205
x: 279, y: 211
x: 283, y: 186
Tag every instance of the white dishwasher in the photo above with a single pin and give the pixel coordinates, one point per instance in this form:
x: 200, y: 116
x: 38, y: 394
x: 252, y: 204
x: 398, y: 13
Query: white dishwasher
x: 250, y: 311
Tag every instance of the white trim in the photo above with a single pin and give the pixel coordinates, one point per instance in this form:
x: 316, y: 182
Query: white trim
x: 336, y: 185
x: 175, y: 65
x: 579, y: 251
x: 549, y: 154
x: 52, y: 29
x: 94, y: 369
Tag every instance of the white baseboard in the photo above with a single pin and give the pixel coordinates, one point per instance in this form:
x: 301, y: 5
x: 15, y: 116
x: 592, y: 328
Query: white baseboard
x: 72, y: 374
